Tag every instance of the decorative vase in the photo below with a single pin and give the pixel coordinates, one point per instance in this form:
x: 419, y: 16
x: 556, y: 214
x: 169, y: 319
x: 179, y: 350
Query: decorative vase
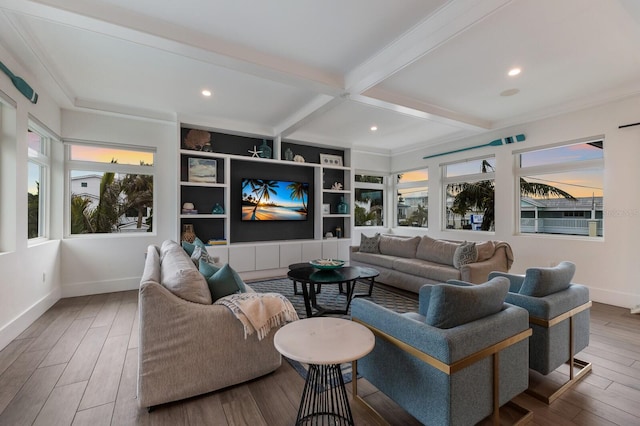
x: 288, y: 155
x: 217, y: 209
x: 188, y: 234
x: 265, y: 149
x: 343, y: 208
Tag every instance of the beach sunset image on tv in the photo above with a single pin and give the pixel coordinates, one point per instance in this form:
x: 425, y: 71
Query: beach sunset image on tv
x: 264, y: 199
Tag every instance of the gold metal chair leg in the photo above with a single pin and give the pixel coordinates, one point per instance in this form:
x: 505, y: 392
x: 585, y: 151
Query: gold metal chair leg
x: 584, y: 369
x: 358, y: 399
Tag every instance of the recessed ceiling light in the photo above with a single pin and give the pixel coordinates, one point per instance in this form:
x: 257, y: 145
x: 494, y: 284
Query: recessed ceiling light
x: 206, y: 93
x: 509, y: 92
x: 374, y: 128
x: 514, y: 71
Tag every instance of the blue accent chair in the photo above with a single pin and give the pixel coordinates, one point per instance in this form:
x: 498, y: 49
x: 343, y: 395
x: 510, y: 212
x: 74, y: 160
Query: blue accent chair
x: 456, y: 361
x: 559, y: 316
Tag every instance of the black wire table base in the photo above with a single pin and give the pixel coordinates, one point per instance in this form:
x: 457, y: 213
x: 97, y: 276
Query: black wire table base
x: 324, y: 399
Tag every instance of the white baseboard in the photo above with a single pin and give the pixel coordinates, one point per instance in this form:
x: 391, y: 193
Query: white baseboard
x: 87, y: 288
x: 615, y: 298
x: 14, y: 328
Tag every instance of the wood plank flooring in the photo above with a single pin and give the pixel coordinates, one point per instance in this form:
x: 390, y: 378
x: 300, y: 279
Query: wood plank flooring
x: 77, y: 365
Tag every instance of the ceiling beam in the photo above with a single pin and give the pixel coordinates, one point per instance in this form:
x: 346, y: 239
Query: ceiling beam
x: 450, y: 20
x: 317, y: 107
x: 411, y: 107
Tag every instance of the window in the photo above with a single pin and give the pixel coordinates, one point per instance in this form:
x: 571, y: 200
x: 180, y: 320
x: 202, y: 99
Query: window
x: 412, y: 200
x: 8, y: 168
x: 469, y: 190
x: 561, y: 189
x: 37, y: 182
x: 110, y: 189
x: 369, y: 200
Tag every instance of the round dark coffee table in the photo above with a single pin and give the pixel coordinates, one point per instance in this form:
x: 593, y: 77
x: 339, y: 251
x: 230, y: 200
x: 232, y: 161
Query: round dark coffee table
x: 369, y: 274
x: 309, y: 278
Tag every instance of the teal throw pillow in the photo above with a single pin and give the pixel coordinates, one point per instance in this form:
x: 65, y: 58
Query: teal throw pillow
x: 225, y: 282
x: 207, y: 269
x: 188, y: 247
x: 198, y: 243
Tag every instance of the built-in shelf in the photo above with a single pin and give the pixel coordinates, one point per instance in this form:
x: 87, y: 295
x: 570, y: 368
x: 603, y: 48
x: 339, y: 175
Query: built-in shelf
x: 204, y: 184
x: 203, y: 216
x: 234, y: 162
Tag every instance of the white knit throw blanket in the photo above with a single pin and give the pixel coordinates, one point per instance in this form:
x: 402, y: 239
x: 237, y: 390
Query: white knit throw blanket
x: 259, y: 312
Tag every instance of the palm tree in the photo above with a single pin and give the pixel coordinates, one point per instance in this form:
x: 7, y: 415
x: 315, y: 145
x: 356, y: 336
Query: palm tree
x: 263, y: 190
x: 33, y: 211
x: 419, y: 216
x: 139, y: 192
x: 80, y: 215
x: 480, y: 196
x: 299, y: 191
x: 106, y: 214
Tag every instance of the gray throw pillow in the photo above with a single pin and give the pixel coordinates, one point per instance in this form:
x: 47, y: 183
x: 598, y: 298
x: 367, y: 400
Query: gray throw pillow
x: 180, y: 276
x: 200, y: 253
x: 369, y: 244
x: 464, y: 254
x: 540, y: 282
x: 451, y: 305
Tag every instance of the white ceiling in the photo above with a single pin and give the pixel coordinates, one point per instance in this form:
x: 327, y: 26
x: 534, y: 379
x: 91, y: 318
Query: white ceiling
x: 425, y: 72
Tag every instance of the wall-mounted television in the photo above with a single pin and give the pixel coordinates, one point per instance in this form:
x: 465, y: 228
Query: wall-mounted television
x: 267, y: 200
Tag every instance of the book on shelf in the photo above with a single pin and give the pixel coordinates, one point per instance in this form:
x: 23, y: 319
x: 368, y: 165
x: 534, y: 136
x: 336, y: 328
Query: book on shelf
x: 189, y: 211
x: 216, y: 242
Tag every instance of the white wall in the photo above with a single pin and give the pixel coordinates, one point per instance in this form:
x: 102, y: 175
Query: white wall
x: 29, y: 274
x: 106, y: 263
x: 608, y: 265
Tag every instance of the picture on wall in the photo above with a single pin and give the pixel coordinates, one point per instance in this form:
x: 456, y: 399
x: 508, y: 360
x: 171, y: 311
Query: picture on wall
x: 202, y: 170
x: 266, y: 200
x: 330, y: 160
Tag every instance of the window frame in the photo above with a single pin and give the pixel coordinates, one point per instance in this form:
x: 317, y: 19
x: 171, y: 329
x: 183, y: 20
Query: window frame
x: 375, y: 186
x: 42, y: 160
x: 459, y: 179
x: 104, y: 167
x: 408, y: 185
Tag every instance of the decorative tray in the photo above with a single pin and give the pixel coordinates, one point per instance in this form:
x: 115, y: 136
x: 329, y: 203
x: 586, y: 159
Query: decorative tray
x: 327, y: 263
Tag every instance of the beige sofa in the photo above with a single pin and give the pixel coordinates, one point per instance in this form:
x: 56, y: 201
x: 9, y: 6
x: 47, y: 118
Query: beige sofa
x: 190, y: 347
x: 411, y: 262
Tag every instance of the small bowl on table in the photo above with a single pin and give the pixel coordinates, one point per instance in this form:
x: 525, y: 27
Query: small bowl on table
x: 327, y: 263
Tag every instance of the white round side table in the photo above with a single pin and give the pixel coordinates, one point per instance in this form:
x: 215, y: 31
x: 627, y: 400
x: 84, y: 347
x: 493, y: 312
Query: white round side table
x: 324, y: 343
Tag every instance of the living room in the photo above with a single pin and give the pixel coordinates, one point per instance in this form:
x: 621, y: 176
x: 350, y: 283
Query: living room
x: 37, y: 273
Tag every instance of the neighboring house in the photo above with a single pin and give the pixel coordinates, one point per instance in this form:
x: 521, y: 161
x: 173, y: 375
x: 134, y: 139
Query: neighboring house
x: 582, y: 216
x: 407, y: 206
x: 87, y: 186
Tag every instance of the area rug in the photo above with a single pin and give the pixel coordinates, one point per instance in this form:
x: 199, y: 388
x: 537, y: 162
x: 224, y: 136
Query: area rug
x: 331, y: 298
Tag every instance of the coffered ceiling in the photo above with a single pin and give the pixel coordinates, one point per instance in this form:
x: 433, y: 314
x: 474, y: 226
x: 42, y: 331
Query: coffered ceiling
x: 425, y: 72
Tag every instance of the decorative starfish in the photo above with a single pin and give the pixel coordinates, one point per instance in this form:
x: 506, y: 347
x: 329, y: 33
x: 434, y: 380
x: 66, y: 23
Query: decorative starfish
x: 255, y: 152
